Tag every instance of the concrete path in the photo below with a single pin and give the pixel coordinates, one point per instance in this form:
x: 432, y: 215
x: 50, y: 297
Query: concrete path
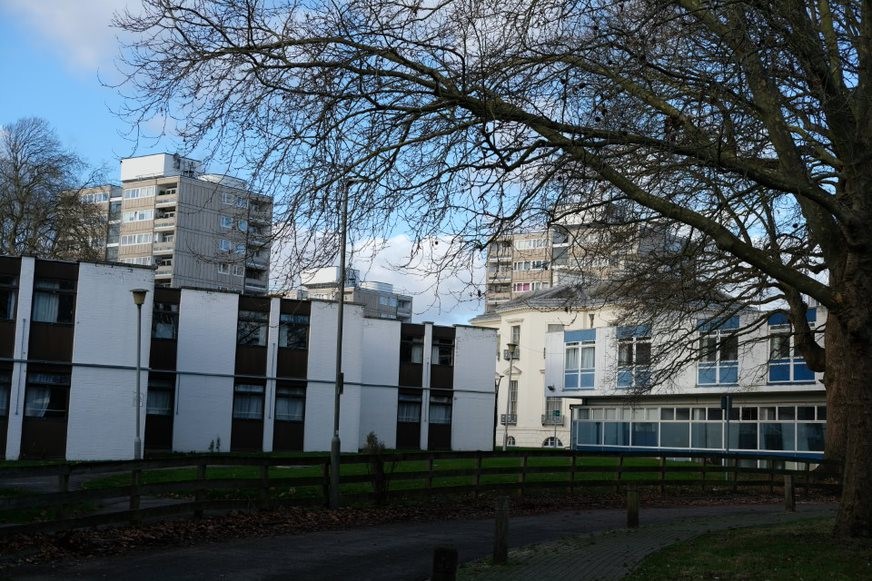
x: 404, y: 551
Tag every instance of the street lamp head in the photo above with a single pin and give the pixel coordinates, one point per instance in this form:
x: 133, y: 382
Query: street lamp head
x: 139, y: 296
x: 512, y: 347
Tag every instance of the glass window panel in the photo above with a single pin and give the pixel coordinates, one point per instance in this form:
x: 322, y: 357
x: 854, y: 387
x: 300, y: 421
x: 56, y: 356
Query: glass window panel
x: 667, y: 413
x: 645, y: 434
x: 572, y: 358
x: 729, y: 373
x: 786, y: 413
x: 749, y: 414
x: 743, y: 436
x: 625, y: 353
x: 706, y: 435
x: 767, y: 413
x: 715, y: 413
x: 611, y: 414
x: 779, y: 347
x: 810, y: 437
x: 587, y: 358
x: 589, y: 433
x: 801, y: 372
x: 583, y: 414
x: 729, y: 348
x: 698, y: 414
x: 779, y: 371
x: 675, y: 435
x: 821, y: 412
x: 616, y: 434
x: 804, y: 413
x: 682, y: 413
x: 777, y: 436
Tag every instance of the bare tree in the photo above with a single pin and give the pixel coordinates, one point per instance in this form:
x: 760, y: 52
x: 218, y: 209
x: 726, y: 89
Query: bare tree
x: 747, y: 122
x: 41, y: 211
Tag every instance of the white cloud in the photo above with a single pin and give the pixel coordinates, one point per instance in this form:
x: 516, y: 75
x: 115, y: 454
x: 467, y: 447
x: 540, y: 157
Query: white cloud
x: 78, y: 30
x: 442, y: 297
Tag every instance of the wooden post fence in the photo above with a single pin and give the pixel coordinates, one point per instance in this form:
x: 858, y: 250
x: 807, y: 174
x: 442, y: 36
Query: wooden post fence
x: 501, y: 531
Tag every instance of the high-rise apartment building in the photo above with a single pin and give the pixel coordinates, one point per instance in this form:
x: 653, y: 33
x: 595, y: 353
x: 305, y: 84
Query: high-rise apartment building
x: 199, y: 230
x: 578, y: 248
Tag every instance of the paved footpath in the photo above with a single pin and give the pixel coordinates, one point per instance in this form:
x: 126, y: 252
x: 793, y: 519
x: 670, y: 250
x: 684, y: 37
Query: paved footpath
x: 405, y: 551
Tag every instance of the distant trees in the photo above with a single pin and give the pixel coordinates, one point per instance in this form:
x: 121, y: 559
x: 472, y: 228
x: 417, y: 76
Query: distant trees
x: 41, y: 210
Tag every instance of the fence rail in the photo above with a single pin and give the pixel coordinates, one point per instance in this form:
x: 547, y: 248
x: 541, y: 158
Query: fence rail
x: 91, y: 493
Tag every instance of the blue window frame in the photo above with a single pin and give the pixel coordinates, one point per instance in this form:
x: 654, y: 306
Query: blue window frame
x: 580, y: 359
x: 719, y: 352
x: 785, y: 363
x: 634, y: 357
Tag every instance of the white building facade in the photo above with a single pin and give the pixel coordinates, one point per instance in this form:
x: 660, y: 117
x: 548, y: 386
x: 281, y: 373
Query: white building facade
x: 221, y: 371
x: 579, y: 355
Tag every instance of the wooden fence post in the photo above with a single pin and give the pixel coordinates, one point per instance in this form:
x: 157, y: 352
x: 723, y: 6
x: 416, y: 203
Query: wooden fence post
x: 200, y: 492
x: 789, y: 494
x: 734, y: 473
x: 264, y: 485
x: 572, y: 473
x: 430, y: 474
x: 325, y: 473
x: 523, y: 477
x: 63, y: 487
x: 662, y: 475
x: 618, y: 473
x: 702, y: 474
x: 771, y: 476
x: 135, y: 483
x: 444, y: 563
x: 477, y: 472
x: 501, y: 531
x: 632, y: 508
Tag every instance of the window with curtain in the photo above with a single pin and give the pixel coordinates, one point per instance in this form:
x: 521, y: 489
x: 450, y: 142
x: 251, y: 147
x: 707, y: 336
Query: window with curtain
x: 440, y: 409
x: 294, y: 331
x: 5, y: 389
x: 248, y: 401
x: 159, y: 400
x: 513, y: 398
x: 443, y: 352
x: 290, y: 403
x: 412, y: 350
x: 54, y: 301
x: 252, y: 327
x: 786, y: 364
x: 46, y: 395
x: 634, y: 356
x: 719, y: 352
x: 409, y: 408
x: 165, y: 321
x: 8, y: 297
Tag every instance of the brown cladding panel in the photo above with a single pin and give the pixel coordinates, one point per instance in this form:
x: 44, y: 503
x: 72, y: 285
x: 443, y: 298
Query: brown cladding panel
x: 61, y: 270
x: 158, y: 432
x: 43, y: 438
x: 163, y: 354
x: 288, y: 436
x: 444, y: 332
x: 49, y: 342
x: 4, y: 426
x: 251, y: 360
x: 171, y: 296
x: 293, y: 307
x: 292, y: 363
x: 246, y: 436
x: 442, y: 376
x: 439, y: 437
x: 408, y: 436
x: 7, y: 338
x: 249, y: 303
x: 9, y: 265
x: 411, y: 374
x: 411, y: 330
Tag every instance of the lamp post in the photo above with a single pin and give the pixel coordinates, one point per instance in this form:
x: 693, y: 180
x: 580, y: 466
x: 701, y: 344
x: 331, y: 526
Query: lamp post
x: 138, y: 300
x: 512, y: 347
x: 497, y: 380
x: 340, y: 378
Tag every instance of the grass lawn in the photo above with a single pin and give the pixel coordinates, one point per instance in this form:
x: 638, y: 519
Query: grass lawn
x: 797, y: 551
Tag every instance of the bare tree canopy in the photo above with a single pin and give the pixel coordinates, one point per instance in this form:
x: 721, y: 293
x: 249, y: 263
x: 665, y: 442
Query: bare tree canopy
x: 41, y: 212
x: 747, y: 122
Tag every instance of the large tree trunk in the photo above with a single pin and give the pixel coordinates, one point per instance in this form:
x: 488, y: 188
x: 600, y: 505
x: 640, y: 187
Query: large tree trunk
x: 849, y: 423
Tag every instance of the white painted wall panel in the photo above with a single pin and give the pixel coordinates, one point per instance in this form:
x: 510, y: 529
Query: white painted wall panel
x: 381, y: 371
x: 19, y: 370
x: 102, y: 409
x: 472, y: 421
x: 322, y: 377
x: 474, y: 362
x: 206, y: 345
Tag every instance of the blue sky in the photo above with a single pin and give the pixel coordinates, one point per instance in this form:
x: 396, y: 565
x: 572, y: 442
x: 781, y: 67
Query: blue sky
x: 53, y: 56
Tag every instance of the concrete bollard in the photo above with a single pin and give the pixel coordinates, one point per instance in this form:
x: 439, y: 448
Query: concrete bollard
x: 501, y: 533
x: 444, y: 563
x: 789, y: 494
x: 632, y: 509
